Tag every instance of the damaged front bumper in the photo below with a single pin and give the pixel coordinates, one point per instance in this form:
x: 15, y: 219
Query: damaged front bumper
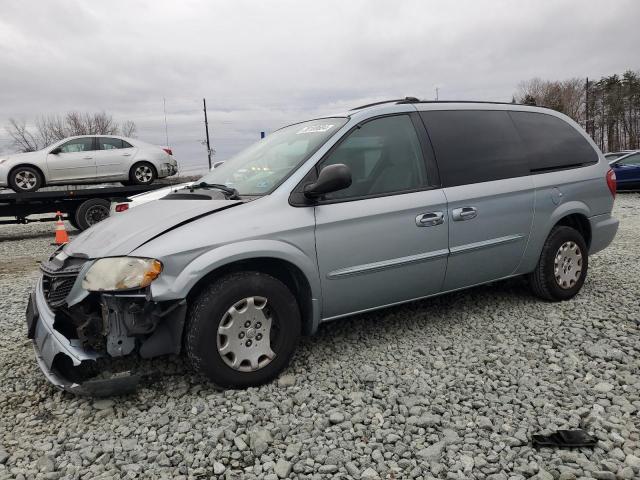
x: 69, y: 365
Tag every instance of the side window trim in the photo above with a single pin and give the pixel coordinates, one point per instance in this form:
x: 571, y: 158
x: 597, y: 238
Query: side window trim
x: 297, y: 198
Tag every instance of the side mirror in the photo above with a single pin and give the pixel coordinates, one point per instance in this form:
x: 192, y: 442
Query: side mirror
x: 331, y: 179
x: 56, y: 151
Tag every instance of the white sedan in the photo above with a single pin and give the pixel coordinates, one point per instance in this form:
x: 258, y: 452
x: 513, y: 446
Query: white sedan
x: 87, y: 159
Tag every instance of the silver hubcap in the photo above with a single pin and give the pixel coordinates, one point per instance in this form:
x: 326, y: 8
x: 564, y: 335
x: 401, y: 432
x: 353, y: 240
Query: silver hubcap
x: 568, y: 265
x: 244, y: 335
x: 143, y: 173
x: 25, y: 180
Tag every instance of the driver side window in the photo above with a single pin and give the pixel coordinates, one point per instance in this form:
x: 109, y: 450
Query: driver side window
x: 77, y: 145
x: 384, y: 157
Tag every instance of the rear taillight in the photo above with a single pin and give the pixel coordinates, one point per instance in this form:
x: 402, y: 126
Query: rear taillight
x: 168, y: 150
x: 122, y: 207
x: 611, y: 182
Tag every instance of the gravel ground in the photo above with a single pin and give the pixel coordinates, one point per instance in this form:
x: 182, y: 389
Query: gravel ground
x: 450, y: 387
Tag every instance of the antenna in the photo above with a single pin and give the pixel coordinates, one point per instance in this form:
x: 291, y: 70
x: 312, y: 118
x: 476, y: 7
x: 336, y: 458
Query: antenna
x: 166, y: 131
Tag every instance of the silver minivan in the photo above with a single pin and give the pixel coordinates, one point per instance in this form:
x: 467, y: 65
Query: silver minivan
x: 384, y: 204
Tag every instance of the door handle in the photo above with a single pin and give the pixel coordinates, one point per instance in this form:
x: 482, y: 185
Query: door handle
x: 430, y: 219
x: 464, y: 213
x: 126, y: 154
x: 87, y: 158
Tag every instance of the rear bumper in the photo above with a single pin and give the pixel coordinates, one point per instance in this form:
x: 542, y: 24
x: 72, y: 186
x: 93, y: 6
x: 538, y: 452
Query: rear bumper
x: 603, y: 231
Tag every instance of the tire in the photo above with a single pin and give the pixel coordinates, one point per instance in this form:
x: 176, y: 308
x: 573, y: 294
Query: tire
x: 211, y: 352
x: 142, y: 173
x: 91, y: 212
x: 25, y: 179
x: 566, y: 282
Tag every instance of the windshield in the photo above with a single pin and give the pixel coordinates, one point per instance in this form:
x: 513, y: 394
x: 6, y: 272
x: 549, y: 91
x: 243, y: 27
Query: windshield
x: 261, y: 167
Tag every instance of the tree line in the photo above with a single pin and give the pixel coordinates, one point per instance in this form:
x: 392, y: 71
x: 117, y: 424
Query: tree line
x: 608, y: 108
x: 49, y: 129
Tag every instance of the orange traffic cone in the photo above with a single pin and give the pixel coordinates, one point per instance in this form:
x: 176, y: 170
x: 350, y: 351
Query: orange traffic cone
x: 62, y: 236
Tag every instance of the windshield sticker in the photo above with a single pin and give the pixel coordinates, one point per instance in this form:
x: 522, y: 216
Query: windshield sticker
x: 315, y: 129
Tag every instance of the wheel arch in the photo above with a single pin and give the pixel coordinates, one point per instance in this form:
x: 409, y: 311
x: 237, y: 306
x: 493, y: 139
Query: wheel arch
x: 283, y: 270
x: 281, y: 260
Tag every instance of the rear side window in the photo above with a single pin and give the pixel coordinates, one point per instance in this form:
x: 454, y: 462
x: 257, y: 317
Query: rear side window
x: 473, y: 146
x: 551, y: 143
x: 106, y: 143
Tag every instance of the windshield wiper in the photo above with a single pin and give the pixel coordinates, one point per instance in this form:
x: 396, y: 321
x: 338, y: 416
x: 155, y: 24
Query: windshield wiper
x: 230, y: 192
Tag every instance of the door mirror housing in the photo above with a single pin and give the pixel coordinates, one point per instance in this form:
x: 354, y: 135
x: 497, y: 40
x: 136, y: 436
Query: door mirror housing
x: 331, y: 179
x: 56, y: 151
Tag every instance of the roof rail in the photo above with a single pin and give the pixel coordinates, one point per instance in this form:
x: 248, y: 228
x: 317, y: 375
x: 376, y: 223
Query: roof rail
x: 398, y: 100
x: 416, y: 100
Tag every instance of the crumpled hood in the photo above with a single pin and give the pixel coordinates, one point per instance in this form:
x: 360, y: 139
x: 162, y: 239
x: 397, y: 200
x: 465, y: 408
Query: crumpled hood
x: 123, y: 233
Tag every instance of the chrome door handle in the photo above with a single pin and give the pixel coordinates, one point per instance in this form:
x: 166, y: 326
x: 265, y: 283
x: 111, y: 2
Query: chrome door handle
x: 87, y: 158
x: 464, y: 213
x: 430, y: 219
x: 126, y: 154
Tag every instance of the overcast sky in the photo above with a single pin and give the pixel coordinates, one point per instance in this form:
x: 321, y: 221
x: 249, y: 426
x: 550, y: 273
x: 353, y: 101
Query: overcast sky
x: 265, y: 64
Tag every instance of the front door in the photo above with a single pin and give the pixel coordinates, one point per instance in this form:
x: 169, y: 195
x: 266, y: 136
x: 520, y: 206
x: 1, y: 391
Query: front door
x: 383, y: 240
x: 75, y: 161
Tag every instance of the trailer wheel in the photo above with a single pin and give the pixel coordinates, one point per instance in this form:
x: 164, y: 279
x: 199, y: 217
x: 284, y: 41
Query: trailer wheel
x: 91, y: 212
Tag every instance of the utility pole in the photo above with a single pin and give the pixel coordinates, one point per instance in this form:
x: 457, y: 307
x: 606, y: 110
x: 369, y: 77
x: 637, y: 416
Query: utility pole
x: 206, y: 127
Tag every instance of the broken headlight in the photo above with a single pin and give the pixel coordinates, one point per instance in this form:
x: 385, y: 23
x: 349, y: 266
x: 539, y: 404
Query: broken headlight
x: 121, y: 273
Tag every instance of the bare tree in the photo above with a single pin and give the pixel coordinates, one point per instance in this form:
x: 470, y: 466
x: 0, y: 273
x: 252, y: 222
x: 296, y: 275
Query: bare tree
x: 128, y: 129
x: 22, y: 138
x: 52, y: 128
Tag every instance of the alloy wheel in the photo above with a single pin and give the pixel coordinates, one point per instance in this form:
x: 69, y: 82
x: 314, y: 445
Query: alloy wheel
x: 26, y: 180
x: 143, y: 173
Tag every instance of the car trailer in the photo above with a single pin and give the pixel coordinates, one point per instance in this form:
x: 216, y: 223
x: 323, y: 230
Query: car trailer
x: 82, y: 207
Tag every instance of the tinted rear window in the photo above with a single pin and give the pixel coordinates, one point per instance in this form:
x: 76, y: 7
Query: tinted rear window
x: 551, y: 142
x: 473, y: 146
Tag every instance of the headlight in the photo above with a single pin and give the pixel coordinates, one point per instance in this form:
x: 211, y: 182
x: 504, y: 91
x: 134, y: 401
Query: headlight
x: 121, y: 273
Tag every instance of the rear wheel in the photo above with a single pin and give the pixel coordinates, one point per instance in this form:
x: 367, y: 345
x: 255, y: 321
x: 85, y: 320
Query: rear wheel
x: 25, y: 179
x: 562, y: 267
x: 242, y: 330
x: 142, y: 173
x: 91, y: 212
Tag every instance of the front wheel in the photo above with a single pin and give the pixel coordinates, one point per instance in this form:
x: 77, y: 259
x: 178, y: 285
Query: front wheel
x: 242, y: 330
x: 562, y: 267
x: 25, y: 179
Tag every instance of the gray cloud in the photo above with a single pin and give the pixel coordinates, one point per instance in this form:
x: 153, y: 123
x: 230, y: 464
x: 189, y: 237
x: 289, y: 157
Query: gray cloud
x: 264, y: 64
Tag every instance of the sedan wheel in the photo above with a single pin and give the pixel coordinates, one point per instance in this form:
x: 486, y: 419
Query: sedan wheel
x: 25, y: 179
x: 142, y: 174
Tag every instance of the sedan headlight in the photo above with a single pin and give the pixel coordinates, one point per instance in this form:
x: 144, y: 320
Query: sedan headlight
x: 121, y: 273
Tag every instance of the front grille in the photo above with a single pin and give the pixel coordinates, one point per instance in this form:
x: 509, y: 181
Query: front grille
x: 57, y: 288
x: 58, y: 280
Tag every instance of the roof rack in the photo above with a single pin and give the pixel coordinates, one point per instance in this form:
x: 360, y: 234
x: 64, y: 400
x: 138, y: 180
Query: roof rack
x: 416, y: 100
x: 398, y: 101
